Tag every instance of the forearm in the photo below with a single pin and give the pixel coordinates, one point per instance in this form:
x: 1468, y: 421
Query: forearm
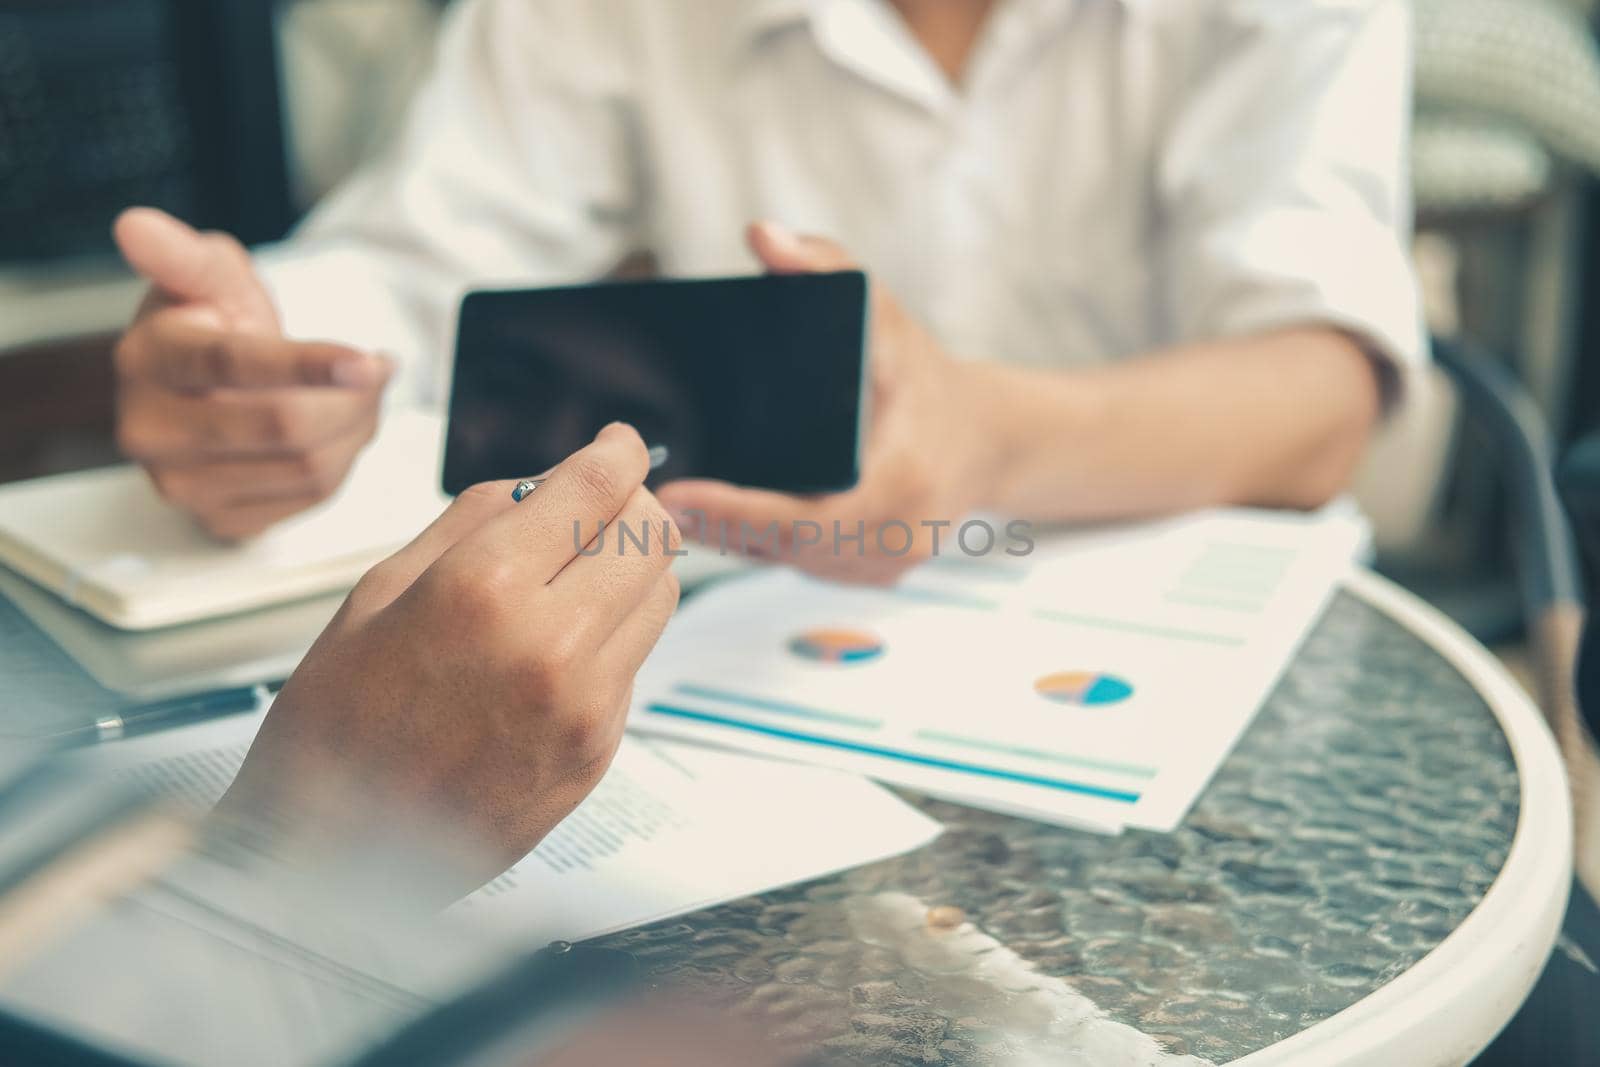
x: 1279, y: 420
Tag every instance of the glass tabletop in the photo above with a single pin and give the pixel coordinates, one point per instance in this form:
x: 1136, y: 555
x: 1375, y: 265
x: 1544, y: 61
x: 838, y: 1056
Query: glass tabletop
x: 1360, y: 819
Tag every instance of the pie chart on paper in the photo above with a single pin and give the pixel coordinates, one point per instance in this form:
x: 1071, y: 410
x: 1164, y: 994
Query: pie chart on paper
x: 837, y: 646
x: 1087, y: 689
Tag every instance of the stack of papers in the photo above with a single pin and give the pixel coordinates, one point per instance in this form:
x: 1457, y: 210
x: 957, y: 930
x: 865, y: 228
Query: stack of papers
x: 1098, y: 682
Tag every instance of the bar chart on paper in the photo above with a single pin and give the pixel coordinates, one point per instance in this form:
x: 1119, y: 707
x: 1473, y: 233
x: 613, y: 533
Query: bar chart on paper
x: 1098, y: 683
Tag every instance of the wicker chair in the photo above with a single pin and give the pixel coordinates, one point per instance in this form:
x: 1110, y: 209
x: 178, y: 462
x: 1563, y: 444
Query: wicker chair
x: 1507, y: 97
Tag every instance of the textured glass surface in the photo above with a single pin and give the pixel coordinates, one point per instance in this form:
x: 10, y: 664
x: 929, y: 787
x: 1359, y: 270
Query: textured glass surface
x: 1359, y: 820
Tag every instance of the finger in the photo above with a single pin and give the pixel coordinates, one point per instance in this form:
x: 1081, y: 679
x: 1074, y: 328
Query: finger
x: 220, y: 484
x: 782, y: 251
x: 632, y: 641
x: 831, y: 537
x: 601, y: 590
x: 468, y: 512
x: 870, y: 569
x: 247, y: 521
x: 156, y: 426
x: 716, y: 513
x: 466, y: 515
x: 174, y: 352
x: 540, y: 536
x: 189, y: 266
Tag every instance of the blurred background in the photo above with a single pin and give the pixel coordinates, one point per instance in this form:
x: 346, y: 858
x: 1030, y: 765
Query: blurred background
x: 239, y: 114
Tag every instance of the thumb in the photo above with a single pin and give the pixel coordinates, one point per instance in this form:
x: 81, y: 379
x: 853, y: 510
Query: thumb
x: 782, y: 251
x: 193, y: 267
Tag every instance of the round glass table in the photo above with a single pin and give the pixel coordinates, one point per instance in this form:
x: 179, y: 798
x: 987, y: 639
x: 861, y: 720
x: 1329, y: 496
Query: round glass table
x: 1376, y: 874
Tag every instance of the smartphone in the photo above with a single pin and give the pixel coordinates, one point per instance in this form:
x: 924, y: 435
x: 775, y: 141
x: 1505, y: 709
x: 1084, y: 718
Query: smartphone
x: 759, y: 381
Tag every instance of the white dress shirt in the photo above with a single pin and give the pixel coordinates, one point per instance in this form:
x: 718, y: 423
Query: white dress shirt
x: 1111, y: 176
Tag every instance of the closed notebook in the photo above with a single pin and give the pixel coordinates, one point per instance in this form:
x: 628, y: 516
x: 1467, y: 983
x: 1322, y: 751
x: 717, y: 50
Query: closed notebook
x: 104, y: 540
x: 148, y: 666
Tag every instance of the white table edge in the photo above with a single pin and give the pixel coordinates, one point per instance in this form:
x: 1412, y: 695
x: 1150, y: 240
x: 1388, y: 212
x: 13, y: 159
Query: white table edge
x: 1453, y: 1002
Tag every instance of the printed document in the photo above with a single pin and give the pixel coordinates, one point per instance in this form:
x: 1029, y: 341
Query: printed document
x: 1097, y: 682
x: 669, y: 830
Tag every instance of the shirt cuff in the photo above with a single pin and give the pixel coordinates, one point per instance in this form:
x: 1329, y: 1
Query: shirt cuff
x: 1294, y: 269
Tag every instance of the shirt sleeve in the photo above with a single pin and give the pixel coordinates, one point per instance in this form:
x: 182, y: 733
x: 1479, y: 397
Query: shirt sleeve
x: 517, y: 166
x: 1283, y: 187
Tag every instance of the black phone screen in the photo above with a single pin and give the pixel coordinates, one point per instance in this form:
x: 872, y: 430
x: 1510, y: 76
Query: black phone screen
x: 756, y: 381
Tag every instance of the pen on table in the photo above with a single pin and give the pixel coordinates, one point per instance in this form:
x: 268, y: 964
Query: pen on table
x: 166, y: 715
x: 659, y: 454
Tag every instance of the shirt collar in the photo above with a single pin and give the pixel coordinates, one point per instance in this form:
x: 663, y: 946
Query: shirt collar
x: 865, y: 36
x: 761, y: 17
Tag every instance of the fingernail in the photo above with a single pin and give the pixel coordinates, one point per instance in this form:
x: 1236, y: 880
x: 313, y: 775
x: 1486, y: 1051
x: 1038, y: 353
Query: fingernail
x: 778, y: 233
x: 686, y: 520
x: 355, y: 371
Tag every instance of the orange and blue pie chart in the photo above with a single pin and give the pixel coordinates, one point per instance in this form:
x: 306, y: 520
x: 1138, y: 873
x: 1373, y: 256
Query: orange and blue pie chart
x: 837, y: 646
x: 1087, y: 689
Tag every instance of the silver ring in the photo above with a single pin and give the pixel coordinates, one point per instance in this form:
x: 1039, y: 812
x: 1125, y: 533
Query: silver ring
x: 524, y: 489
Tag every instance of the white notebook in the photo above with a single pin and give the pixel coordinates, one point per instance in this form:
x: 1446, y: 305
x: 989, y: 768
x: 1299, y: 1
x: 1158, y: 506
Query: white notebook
x: 104, y: 541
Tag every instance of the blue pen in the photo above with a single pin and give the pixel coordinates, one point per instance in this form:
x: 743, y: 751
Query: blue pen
x: 166, y: 715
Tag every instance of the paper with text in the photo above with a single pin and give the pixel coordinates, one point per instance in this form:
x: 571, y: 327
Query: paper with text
x: 670, y: 829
